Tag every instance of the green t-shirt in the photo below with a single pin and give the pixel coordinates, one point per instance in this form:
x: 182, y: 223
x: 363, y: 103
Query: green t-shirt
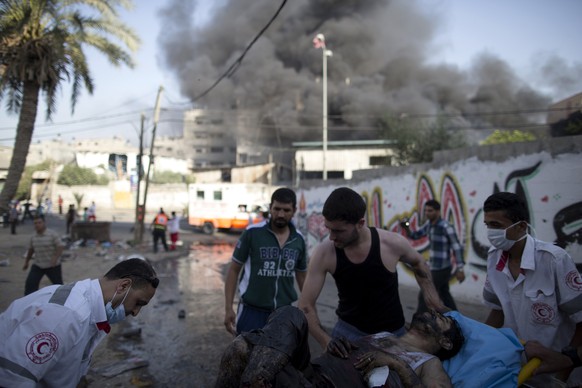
x: 267, y: 280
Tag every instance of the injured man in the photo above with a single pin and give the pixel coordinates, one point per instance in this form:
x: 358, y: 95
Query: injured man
x: 278, y: 355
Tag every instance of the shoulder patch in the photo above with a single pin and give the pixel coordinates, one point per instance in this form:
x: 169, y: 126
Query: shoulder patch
x: 42, y: 347
x: 573, y: 280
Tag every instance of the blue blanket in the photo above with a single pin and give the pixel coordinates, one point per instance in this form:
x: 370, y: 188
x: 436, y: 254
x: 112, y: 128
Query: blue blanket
x: 489, y: 358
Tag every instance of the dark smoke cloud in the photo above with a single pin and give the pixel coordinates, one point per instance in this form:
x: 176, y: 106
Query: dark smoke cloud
x: 381, y: 51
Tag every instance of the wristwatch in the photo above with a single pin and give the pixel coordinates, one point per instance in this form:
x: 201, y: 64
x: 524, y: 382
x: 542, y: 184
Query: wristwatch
x: 572, y: 353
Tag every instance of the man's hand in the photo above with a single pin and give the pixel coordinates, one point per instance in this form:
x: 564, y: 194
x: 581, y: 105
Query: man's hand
x: 25, y: 266
x: 230, y: 321
x: 552, y: 361
x: 460, y: 275
x: 340, y: 347
x: 376, y: 359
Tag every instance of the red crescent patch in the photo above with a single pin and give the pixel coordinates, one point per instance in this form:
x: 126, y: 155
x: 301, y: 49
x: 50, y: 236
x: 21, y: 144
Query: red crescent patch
x: 573, y: 280
x: 42, y: 347
x: 542, y: 312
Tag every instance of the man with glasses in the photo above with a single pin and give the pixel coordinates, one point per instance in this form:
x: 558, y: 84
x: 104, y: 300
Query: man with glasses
x: 49, y: 336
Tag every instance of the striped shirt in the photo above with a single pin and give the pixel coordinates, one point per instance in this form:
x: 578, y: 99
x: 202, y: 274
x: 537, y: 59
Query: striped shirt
x: 44, y: 246
x: 442, y: 239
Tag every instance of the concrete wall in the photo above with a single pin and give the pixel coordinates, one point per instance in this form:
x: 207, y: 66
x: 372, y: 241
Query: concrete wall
x: 548, y: 176
x: 121, y: 195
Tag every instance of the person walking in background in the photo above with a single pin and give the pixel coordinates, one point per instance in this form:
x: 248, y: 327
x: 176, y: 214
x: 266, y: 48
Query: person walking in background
x: 71, y: 215
x: 60, y: 203
x: 13, y: 218
x: 47, y: 248
x: 443, y: 240
x: 85, y: 214
x: 48, y: 204
x: 271, y: 254
x: 362, y: 261
x: 159, y: 226
x: 39, y: 210
x: 174, y: 230
x: 49, y: 336
x: 27, y: 213
x: 91, y: 212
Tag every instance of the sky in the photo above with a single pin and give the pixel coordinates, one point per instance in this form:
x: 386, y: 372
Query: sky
x: 520, y: 32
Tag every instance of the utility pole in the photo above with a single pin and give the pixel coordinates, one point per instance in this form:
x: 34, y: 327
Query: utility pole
x: 139, y: 213
x: 151, y: 161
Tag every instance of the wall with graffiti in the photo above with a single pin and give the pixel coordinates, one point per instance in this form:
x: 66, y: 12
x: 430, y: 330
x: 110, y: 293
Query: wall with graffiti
x: 550, y: 185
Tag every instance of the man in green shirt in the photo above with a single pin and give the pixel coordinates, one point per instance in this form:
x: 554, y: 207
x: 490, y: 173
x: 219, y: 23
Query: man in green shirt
x: 270, y: 255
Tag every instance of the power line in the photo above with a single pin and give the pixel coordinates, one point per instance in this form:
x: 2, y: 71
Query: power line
x: 233, y: 68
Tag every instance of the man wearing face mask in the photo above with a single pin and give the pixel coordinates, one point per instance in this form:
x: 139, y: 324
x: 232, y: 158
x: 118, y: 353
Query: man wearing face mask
x: 48, y: 337
x: 532, y: 286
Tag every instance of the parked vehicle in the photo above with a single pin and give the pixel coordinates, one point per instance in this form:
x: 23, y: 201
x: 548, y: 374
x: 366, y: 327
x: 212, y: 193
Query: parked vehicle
x: 228, y: 206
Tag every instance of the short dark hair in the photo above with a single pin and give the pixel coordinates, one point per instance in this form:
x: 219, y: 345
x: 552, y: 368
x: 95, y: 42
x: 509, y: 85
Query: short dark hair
x: 455, y: 335
x: 140, y: 271
x: 513, y: 206
x: 344, y: 204
x: 433, y: 203
x: 284, y: 195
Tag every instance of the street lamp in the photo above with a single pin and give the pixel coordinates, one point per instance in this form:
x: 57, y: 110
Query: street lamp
x: 319, y: 42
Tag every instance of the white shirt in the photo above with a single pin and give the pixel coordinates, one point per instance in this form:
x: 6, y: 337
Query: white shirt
x: 545, y: 301
x: 49, y: 344
x: 174, y: 224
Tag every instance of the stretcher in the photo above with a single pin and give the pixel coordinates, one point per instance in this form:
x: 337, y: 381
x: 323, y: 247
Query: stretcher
x: 489, y: 358
x: 527, y: 370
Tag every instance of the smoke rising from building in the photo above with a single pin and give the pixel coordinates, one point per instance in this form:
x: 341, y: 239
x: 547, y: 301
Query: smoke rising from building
x: 380, y: 66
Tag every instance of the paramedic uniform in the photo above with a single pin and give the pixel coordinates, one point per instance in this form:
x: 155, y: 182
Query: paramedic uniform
x: 48, y: 337
x: 545, y: 301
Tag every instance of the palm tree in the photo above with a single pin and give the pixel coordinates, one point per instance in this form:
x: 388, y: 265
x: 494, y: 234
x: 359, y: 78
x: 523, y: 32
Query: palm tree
x: 42, y: 45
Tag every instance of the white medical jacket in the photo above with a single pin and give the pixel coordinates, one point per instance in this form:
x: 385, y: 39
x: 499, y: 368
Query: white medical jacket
x: 46, y: 342
x: 545, y: 301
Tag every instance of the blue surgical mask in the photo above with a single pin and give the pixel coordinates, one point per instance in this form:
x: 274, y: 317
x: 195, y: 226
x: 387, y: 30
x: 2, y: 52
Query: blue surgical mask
x: 498, y: 238
x: 117, y: 314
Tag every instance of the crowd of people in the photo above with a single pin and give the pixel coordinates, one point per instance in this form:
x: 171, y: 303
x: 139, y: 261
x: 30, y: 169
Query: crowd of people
x: 532, y: 288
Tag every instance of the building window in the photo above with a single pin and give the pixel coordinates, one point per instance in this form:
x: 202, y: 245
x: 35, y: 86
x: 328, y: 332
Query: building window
x: 217, y: 195
x: 200, y: 194
x: 216, y: 150
x: 380, y: 160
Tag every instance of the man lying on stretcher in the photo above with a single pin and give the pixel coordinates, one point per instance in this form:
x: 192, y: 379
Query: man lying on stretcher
x: 278, y: 355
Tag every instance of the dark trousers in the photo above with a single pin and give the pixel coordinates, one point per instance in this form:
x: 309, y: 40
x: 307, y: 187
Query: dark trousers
x: 35, y: 275
x: 441, y: 279
x: 160, y: 234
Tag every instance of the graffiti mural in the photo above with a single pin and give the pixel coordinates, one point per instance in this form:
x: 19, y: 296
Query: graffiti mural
x: 550, y: 185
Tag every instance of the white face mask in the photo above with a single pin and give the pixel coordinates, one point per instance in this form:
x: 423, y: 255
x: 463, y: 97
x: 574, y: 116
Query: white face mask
x: 117, y: 314
x: 498, y: 238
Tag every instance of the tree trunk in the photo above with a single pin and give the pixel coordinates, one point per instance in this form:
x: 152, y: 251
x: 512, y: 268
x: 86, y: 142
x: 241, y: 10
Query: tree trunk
x: 24, y: 132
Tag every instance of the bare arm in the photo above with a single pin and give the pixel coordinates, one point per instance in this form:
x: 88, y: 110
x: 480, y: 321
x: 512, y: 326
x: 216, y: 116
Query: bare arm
x: 495, y: 319
x: 432, y: 374
x: 229, y: 290
x: 300, y: 277
x: 313, y: 285
x: 422, y: 274
x: 552, y: 361
x: 29, y: 254
x: 56, y: 254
